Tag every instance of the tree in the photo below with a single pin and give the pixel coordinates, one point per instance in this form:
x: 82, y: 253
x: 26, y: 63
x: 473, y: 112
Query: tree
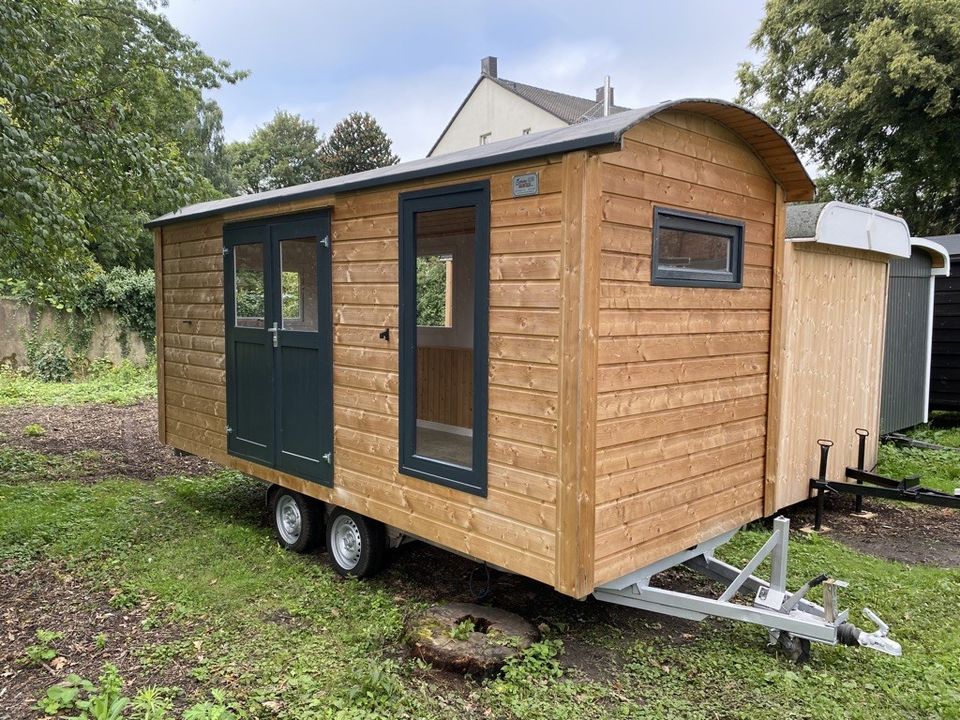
x: 358, y: 143
x: 286, y: 151
x: 204, y: 146
x: 94, y: 97
x: 871, y: 91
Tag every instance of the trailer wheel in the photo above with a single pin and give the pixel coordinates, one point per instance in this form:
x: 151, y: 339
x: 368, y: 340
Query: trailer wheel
x: 356, y: 544
x: 296, y: 518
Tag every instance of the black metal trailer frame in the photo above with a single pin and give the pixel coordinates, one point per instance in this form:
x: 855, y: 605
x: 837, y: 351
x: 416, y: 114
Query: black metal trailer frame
x: 908, y: 489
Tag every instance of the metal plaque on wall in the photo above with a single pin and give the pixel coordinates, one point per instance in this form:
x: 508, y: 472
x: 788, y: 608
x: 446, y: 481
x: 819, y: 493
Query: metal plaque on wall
x: 526, y: 184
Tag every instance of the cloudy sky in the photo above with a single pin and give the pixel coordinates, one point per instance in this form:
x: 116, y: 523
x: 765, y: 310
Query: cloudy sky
x: 410, y: 63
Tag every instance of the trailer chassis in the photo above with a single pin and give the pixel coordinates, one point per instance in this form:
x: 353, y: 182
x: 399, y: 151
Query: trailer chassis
x: 792, y: 620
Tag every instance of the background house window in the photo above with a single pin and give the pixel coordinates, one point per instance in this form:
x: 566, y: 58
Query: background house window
x: 696, y: 250
x: 485, y: 138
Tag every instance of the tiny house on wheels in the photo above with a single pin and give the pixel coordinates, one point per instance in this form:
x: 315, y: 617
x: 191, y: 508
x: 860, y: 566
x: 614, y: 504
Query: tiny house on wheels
x: 549, y: 353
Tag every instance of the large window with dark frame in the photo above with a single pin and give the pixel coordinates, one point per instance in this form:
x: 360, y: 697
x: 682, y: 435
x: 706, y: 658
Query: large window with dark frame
x: 696, y: 250
x: 444, y: 288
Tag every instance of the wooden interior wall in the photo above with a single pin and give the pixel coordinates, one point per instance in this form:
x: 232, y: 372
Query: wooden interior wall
x: 445, y: 385
x: 682, y: 372
x: 515, y: 525
x: 831, y: 363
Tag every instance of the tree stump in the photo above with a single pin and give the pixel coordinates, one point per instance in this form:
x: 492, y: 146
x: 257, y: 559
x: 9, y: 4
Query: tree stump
x: 468, y: 639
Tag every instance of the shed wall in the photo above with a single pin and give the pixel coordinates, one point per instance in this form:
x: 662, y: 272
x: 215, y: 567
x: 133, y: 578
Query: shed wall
x: 945, y: 357
x: 515, y: 526
x: 904, y: 402
x: 682, y: 371
x: 830, y: 365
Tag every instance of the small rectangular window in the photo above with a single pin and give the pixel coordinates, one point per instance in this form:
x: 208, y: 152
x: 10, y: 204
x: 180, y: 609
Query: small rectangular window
x: 696, y: 250
x: 485, y: 138
x: 444, y: 316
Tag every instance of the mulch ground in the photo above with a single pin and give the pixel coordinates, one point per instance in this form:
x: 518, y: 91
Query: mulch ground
x: 47, y: 598
x: 914, y: 534
x: 125, y: 437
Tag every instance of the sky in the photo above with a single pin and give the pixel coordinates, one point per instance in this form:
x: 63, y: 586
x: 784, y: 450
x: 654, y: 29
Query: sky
x: 411, y: 63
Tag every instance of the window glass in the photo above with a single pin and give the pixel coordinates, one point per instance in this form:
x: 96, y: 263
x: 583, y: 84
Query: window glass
x: 249, y: 288
x: 696, y: 250
x: 298, y: 284
x: 445, y: 368
x: 683, y: 249
x: 435, y: 290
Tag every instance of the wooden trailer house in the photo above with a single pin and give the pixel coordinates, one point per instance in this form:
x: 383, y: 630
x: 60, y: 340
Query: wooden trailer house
x: 590, y: 393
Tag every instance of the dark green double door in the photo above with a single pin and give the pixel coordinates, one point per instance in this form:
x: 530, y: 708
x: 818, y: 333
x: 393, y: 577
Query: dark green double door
x: 277, y: 289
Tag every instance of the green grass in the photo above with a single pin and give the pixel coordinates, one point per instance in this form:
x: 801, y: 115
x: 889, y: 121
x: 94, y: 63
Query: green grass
x: 17, y: 466
x: 124, y: 384
x: 943, y: 429
x: 278, y: 630
x: 938, y: 469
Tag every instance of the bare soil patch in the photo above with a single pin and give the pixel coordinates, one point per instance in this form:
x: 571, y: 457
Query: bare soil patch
x: 125, y: 437
x: 47, y: 598
x: 897, y: 531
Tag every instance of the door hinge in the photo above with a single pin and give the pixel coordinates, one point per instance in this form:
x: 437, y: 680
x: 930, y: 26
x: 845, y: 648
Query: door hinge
x: 229, y: 430
x: 325, y: 241
x: 328, y: 457
x: 226, y: 251
x: 276, y: 334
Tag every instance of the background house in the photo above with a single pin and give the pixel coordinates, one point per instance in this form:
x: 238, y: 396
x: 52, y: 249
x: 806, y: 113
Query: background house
x: 496, y: 109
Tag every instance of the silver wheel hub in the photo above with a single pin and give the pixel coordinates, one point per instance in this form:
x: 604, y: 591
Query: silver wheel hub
x: 345, y: 543
x: 288, y: 519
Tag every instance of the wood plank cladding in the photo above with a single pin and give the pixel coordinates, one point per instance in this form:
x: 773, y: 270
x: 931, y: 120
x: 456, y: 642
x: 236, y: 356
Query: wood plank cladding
x: 681, y: 371
x: 445, y: 385
x: 515, y: 526
x: 830, y: 365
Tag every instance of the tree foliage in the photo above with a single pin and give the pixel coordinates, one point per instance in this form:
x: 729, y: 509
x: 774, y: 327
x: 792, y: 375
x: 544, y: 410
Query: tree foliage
x: 95, y: 96
x: 286, y: 151
x: 871, y: 91
x: 358, y: 143
x: 290, y: 150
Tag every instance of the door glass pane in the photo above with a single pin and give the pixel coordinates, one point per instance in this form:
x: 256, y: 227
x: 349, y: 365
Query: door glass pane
x: 444, y: 300
x: 298, y: 284
x: 435, y: 290
x: 249, y: 289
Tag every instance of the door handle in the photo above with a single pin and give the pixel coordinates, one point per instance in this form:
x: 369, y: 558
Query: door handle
x: 276, y: 334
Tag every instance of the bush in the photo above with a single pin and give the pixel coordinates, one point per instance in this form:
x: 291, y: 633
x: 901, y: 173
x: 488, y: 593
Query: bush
x: 49, y: 362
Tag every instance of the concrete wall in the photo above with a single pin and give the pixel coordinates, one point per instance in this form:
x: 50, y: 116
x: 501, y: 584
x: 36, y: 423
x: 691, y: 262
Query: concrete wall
x: 495, y: 110
x: 17, y: 321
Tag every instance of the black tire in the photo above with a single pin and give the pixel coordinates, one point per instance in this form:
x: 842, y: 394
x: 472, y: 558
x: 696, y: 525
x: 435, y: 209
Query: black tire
x: 356, y: 545
x: 297, y: 520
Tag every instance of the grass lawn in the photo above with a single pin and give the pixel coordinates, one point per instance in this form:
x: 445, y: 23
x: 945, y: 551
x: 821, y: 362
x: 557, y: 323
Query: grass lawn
x: 938, y: 469
x: 121, y: 385
x: 183, y: 587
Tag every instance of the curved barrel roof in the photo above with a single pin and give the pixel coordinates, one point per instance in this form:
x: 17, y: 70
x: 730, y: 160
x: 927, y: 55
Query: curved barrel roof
x: 771, y: 147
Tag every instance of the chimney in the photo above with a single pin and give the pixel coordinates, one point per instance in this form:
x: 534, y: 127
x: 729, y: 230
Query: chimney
x: 488, y: 67
x: 605, y: 95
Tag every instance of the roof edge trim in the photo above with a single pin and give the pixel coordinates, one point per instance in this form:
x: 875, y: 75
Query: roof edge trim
x: 938, y: 255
